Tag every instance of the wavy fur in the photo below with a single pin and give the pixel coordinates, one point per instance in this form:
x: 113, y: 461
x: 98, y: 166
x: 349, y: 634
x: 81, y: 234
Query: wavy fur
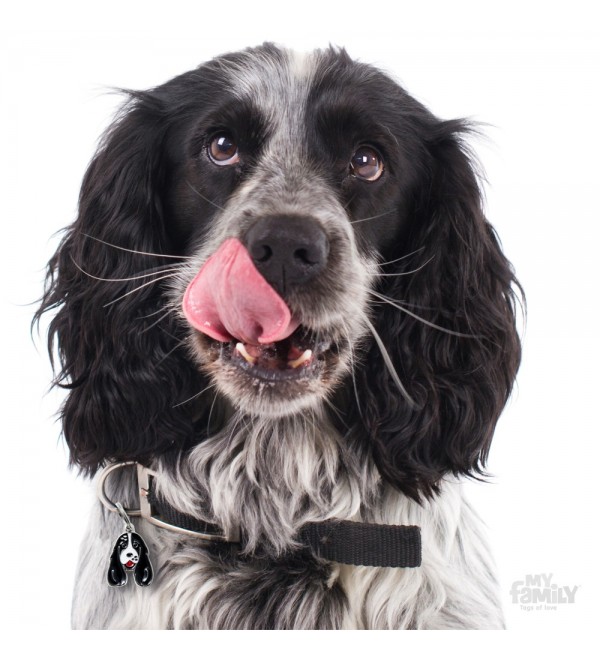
x: 417, y: 298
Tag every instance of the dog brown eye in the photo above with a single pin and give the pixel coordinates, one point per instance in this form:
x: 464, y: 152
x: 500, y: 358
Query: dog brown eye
x: 366, y: 164
x: 223, y: 149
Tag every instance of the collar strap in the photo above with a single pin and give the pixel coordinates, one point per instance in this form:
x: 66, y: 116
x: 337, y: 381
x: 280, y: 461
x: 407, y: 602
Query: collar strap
x: 343, y: 541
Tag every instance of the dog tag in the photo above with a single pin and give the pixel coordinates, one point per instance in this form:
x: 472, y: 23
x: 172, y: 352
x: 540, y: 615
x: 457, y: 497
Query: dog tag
x: 129, y: 555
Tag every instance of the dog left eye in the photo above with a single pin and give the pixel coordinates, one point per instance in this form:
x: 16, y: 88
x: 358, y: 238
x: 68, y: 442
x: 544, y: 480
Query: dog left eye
x: 366, y: 164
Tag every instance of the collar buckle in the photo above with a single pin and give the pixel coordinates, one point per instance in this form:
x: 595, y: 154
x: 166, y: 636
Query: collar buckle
x: 146, y: 509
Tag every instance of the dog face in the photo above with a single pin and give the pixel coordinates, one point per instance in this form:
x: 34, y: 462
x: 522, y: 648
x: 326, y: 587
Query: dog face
x: 128, y: 551
x: 297, y: 159
x: 270, y: 233
x: 130, y: 554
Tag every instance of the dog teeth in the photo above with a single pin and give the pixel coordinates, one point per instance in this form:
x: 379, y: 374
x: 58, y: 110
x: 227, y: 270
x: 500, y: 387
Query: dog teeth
x: 305, y: 357
x: 251, y: 359
x: 241, y: 349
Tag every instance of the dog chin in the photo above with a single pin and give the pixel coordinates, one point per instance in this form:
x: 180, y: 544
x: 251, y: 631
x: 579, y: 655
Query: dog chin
x: 274, y: 380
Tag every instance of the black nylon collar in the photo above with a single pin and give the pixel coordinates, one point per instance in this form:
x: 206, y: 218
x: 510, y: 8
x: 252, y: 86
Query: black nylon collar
x: 343, y: 541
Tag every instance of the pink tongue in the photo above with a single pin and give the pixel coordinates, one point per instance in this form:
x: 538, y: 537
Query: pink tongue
x: 229, y: 299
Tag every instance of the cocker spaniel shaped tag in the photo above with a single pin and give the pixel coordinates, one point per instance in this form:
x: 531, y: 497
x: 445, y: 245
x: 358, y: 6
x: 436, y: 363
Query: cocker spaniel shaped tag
x: 129, y: 555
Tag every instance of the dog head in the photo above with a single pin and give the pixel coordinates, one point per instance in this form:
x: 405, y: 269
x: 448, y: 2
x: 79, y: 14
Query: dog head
x: 328, y: 252
x: 129, y: 554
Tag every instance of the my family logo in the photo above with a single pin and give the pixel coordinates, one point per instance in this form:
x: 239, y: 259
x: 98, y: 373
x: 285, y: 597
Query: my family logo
x: 538, y: 592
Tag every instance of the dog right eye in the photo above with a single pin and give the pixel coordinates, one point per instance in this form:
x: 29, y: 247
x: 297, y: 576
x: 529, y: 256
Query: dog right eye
x: 223, y: 149
x: 366, y: 164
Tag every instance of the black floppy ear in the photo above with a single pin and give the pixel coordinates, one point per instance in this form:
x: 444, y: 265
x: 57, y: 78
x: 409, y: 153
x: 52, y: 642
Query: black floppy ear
x: 143, y: 572
x: 124, y: 373
x: 117, y: 577
x: 459, y: 380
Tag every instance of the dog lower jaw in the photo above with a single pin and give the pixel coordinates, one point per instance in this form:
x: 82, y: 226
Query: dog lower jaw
x: 275, y: 380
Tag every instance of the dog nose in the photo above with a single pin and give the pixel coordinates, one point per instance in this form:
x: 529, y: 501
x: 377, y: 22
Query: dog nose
x: 287, y: 250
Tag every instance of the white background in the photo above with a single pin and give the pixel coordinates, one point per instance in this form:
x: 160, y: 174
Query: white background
x: 530, y: 71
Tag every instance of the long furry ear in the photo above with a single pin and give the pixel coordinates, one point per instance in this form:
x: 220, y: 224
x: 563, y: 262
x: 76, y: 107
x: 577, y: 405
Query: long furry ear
x: 143, y: 572
x: 117, y: 577
x: 117, y: 349
x: 459, y: 379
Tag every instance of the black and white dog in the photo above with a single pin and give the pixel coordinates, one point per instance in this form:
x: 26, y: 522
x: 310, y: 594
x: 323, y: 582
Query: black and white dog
x: 130, y: 554
x: 282, y: 296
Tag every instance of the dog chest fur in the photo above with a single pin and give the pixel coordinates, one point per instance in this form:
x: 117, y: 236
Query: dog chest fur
x: 278, y: 586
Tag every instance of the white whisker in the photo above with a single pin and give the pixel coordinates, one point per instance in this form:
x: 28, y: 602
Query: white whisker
x: 147, y: 316
x: 124, y: 279
x: 406, y: 256
x: 204, y: 198
x: 388, y: 363
x: 210, y: 413
x: 170, y: 334
x: 393, y: 303
x: 347, y: 204
x: 352, y: 367
x: 177, y: 345
x: 147, y: 254
x: 408, y: 272
x: 373, y: 217
x: 336, y: 411
x: 137, y: 288
x: 152, y: 325
x: 195, y: 396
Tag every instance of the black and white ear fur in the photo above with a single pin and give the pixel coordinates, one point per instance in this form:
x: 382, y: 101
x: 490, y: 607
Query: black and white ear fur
x: 142, y: 573
x: 459, y: 382
x: 117, y: 576
x: 124, y: 375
